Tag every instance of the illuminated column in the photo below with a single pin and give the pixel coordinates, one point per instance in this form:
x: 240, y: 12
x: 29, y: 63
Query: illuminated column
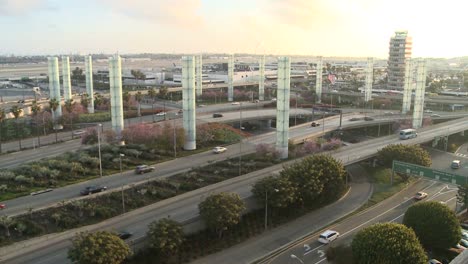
x: 54, y: 84
x: 67, y: 93
x: 369, y: 79
x: 419, y: 93
x: 89, y: 82
x: 318, y: 83
x: 261, y: 80
x: 282, y: 106
x: 188, y: 102
x: 199, y: 75
x: 230, y: 78
x: 408, y: 87
x: 115, y: 81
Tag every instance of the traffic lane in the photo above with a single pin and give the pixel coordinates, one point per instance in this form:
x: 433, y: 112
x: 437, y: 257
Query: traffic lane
x: 315, y: 249
x: 443, y: 160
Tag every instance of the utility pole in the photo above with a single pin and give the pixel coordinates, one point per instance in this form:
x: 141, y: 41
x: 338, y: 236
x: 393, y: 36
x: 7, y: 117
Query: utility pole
x: 240, y: 143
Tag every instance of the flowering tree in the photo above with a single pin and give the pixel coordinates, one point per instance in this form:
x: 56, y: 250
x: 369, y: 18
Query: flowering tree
x: 310, y: 147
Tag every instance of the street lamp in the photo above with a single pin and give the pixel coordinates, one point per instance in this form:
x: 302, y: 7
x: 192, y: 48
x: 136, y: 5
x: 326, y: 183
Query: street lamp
x: 123, y: 200
x: 240, y: 143
x: 99, y: 148
x: 296, y: 257
x: 266, y: 207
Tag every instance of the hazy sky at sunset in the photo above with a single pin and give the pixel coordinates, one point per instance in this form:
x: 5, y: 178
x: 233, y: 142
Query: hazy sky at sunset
x: 310, y: 27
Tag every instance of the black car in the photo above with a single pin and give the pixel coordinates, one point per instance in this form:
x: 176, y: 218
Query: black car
x: 367, y: 118
x: 124, y: 235
x: 217, y: 115
x: 314, y: 124
x: 143, y: 169
x: 93, y: 189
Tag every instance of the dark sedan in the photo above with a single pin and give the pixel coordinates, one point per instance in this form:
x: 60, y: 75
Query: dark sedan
x: 93, y: 189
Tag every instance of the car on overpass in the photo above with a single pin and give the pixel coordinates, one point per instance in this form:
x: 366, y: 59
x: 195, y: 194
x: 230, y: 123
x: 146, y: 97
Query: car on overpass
x: 315, y: 124
x: 328, y: 236
x: 218, y: 150
x: 92, y: 189
x: 140, y: 169
x: 2, y: 206
x: 217, y: 115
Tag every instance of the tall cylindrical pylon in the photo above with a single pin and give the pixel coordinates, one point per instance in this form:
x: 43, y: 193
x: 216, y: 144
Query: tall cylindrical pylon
x: 318, y: 79
x: 369, y: 79
x: 89, y: 82
x: 199, y: 72
x: 408, y: 87
x: 67, y: 92
x: 54, y: 84
x: 188, y: 102
x: 282, y: 106
x: 115, y: 81
x: 231, y: 78
x: 419, y: 93
x: 261, y: 78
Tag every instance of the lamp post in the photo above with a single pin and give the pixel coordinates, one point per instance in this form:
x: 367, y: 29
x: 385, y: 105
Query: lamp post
x: 240, y: 143
x: 295, y: 114
x: 99, y: 148
x: 266, y: 207
x: 296, y: 257
x: 123, y: 200
x: 175, y: 138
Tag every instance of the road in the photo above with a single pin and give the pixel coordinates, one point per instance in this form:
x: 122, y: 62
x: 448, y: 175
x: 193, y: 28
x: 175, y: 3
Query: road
x: 310, y: 251
x: 183, y: 207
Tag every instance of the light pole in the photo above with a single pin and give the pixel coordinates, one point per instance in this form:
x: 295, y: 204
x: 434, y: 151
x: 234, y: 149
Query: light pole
x: 295, y: 114
x: 175, y: 138
x: 266, y: 207
x: 99, y: 148
x: 123, y: 201
x: 296, y: 257
x: 240, y: 143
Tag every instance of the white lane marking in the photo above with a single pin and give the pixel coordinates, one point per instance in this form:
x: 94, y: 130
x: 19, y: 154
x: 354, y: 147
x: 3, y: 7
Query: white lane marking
x: 321, y: 253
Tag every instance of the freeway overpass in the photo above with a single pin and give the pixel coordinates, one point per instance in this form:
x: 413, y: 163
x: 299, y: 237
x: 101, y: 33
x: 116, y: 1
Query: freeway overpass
x: 53, y: 248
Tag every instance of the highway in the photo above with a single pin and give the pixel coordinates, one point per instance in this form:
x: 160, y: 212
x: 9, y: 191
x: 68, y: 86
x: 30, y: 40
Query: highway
x: 181, y: 209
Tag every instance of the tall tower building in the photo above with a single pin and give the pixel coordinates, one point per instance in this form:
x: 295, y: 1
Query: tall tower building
x: 400, y: 51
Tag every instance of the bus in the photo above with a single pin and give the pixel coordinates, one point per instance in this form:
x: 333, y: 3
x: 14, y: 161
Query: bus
x: 408, y: 133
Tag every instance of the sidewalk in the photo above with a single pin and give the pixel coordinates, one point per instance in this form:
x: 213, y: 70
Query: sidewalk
x: 256, y: 247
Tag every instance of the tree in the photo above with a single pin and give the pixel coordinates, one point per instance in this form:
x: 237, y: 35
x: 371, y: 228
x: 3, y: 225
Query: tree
x: 2, y: 118
x: 99, y: 247
x: 126, y: 99
x: 163, y: 91
x: 7, y: 222
x: 16, y: 111
x: 462, y: 195
x: 221, y: 211
x: 165, y: 236
x: 69, y: 104
x: 85, y: 100
x: 138, y: 75
x: 35, y: 109
x: 77, y: 74
x: 387, y: 243
x: 407, y: 153
x: 54, y: 104
x: 152, y: 95
x: 317, y: 178
x: 434, y: 223
x: 138, y: 98
x: 281, y: 192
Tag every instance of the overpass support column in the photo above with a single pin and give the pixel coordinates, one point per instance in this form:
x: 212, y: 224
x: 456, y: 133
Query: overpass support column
x: 282, y: 106
x: 54, y: 85
x: 261, y: 80
x: 89, y: 82
x: 115, y: 81
x: 369, y: 79
x: 188, y: 102
x: 408, y: 87
x: 67, y: 93
x: 318, y: 80
x: 419, y: 93
x: 199, y: 75
x: 231, y: 78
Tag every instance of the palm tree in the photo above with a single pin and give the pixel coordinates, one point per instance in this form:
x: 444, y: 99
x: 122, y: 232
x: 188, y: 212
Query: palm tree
x: 2, y: 118
x: 126, y: 99
x: 85, y: 99
x: 16, y: 111
x: 69, y: 104
x: 98, y: 100
x: 152, y: 94
x: 138, y: 98
x: 6, y: 222
x: 54, y: 104
x: 36, y: 108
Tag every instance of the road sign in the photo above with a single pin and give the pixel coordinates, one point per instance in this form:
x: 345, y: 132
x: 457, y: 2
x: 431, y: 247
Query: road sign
x: 416, y: 170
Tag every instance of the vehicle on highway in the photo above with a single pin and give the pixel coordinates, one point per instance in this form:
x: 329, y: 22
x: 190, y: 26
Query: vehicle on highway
x: 20, y: 101
x: 428, y: 111
x: 434, y: 261
x: 140, y: 169
x: 216, y: 115
x: 202, y: 105
x: 78, y: 133
x: 420, y: 195
x: 235, y: 103
x: 455, y: 164
x: 328, y: 236
x: 2, y: 206
x: 180, y: 111
x: 435, y: 115
x: 368, y: 118
x: 124, y: 235
x: 315, y: 124
x: 408, y: 133
x: 273, y: 99
x: 257, y: 101
x: 92, y: 189
x: 458, y: 246
x: 334, y: 91
x: 161, y: 113
x: 464, y: 242
x: 388, y: 113
x: 354, y: 119
x: 218, y: 150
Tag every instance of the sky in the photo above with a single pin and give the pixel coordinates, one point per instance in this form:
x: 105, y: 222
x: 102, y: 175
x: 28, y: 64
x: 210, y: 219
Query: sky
x: 351, y: 28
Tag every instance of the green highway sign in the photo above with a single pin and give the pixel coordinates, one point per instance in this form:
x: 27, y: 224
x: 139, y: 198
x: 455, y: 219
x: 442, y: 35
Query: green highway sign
x: 416, y: 170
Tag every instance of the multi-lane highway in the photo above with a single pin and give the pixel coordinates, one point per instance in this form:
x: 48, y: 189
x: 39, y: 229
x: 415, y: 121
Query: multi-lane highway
x: 181, y: 208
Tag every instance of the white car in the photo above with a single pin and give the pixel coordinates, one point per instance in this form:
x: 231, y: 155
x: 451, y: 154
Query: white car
x: 273, y: 99
x: 161, y: 114
x: 434, y: 261
x: 235, y: 103
x: 328, y: 236
x: 218, y: 150
x: 420, y: 195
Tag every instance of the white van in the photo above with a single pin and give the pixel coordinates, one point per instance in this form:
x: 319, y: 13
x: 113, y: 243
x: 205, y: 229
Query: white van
x: 408, y: 133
